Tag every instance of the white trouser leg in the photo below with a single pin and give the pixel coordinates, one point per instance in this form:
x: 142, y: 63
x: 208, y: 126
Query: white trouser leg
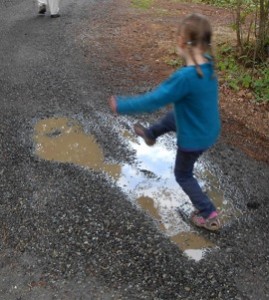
x: 54, y: 6
x: 41, y: 2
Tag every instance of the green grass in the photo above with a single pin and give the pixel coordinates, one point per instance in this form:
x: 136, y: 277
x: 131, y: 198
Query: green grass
x: 144, y: 4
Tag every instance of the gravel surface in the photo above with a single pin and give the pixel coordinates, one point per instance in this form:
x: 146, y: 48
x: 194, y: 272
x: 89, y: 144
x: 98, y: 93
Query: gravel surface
x: 70, y: 233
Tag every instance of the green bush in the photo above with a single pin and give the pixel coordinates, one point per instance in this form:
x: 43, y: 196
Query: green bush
x: 238, y: 76
x: 261, y: 85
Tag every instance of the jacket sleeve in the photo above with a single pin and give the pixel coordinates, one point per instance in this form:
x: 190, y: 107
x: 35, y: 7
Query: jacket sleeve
x: 171, y: 90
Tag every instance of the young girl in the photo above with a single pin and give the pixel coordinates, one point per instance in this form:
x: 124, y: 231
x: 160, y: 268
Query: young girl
x: 193, y: 91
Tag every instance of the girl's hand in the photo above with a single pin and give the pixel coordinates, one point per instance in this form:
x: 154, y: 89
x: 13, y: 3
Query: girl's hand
x: 113, y: 104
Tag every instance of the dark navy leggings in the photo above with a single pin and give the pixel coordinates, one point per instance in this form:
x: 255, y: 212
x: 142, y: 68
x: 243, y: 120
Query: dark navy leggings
x: 184, y: 165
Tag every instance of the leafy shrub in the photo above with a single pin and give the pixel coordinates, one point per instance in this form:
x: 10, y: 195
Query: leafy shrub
x: 238, y: 76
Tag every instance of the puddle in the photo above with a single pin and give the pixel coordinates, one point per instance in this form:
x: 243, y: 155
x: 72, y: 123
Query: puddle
x: 192, y: 244
x: 152, y: 185
x: 149, y: 181
x: 63, y: 140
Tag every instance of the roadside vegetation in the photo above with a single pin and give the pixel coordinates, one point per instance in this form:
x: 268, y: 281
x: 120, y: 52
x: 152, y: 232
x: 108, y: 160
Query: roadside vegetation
x: 244, y: 65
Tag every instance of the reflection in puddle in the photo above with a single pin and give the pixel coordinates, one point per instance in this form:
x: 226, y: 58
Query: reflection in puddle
x: 150, y: 181
x: 157, y: 183
x: 160, y: 196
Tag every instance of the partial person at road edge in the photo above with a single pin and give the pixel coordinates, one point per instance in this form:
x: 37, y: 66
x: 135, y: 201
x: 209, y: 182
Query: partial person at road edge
x: 53, y: 6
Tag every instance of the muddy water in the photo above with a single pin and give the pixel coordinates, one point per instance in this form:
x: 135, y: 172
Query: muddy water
x: 64, y: 140
x: 149, y: 182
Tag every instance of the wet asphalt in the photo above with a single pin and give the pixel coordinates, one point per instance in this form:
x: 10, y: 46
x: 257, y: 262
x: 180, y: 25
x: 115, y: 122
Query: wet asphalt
x: 69, y: 233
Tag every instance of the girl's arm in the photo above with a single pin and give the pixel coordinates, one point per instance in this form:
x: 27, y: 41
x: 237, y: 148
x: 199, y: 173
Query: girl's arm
x: 171, y: 90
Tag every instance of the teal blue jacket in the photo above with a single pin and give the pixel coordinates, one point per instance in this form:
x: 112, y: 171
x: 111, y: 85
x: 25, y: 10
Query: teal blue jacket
x: 195, y: 101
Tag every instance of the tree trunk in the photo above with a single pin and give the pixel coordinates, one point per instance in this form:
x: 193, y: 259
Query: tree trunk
x: 262, y: 37
x: 238, y: 25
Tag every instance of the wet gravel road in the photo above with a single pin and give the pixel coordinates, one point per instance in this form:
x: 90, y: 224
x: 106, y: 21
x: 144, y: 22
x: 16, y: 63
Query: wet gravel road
x: 69, y: 233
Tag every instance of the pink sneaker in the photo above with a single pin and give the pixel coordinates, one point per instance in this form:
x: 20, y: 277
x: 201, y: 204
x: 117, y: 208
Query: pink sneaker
x: 211, y: 223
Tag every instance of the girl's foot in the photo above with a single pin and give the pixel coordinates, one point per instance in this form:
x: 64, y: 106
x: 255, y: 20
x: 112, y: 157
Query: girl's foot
x: 211, y: 223
x: 140, y: 130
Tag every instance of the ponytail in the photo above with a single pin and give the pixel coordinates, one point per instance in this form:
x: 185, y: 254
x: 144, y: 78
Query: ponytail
x: 197, y: 31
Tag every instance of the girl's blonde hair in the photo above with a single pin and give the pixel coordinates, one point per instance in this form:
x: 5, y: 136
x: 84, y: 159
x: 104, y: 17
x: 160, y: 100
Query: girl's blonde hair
x: 196, y: 31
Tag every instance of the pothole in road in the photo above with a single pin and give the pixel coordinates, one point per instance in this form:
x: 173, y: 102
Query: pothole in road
x: 149, y: 181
